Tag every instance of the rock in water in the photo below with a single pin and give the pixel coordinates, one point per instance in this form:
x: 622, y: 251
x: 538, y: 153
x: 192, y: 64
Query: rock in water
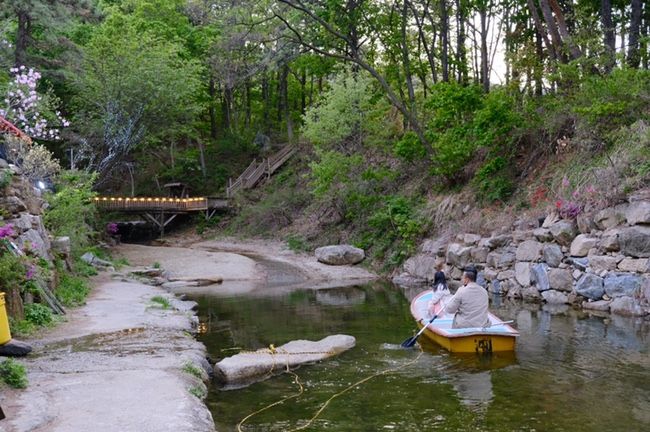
x: 248, y: 367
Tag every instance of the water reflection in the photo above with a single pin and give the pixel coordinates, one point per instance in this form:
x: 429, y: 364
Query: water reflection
x: 566, y: 363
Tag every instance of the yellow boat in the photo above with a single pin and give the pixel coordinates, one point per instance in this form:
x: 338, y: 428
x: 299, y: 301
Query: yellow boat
x: 497, y: 337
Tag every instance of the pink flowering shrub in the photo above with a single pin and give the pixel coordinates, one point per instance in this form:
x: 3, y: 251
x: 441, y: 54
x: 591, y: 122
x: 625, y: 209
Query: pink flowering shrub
x: 112, y: 228
x: 7, y: 231
x: 573, y: 202
x: 33, y: 113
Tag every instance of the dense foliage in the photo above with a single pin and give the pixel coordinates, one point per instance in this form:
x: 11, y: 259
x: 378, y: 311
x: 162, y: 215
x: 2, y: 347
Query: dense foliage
x: 390, y: 100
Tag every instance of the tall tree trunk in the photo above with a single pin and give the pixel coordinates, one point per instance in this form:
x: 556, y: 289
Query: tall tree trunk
x: 633, y: 58
x: 22, y: 38
x: 204, y: 171
x: 552, y: 29
x: 267, y: 102
x: 419, y: 21
x: 461, y: 51
x: 444, y: 40
x: 211, y: 110
x: 406, y: 58
x: 284, y: 97
x: 564, y: 30
x: 247, y: 120
x: 644, y: 36
x: 485, y: 72
x: 226, y: 108
x: 14, y: 304
x: 609, y: 37
x: 303, y: 91
x: 541, y: 31
x: 539, y: 66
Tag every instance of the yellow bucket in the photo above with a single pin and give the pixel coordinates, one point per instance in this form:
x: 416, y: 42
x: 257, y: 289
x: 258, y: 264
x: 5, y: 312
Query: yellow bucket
x: 5, y: 334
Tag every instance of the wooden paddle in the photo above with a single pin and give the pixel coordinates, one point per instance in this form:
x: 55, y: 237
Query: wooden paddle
x: 408, y: 343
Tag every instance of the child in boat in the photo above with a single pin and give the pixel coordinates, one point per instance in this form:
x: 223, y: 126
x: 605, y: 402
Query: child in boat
x: 439, y: 288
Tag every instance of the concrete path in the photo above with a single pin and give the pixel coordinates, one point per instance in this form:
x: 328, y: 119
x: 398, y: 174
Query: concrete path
x: 115, y: 365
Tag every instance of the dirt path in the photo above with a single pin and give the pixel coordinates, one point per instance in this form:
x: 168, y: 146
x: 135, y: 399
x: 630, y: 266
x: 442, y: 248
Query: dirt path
x: 117, y: 363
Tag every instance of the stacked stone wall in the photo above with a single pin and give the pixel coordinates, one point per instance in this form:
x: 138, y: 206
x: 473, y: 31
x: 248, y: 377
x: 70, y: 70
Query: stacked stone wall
x: 599, y: 261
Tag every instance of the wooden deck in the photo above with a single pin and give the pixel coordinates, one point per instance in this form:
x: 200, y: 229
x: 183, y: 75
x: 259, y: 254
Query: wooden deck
x: 161, y: 211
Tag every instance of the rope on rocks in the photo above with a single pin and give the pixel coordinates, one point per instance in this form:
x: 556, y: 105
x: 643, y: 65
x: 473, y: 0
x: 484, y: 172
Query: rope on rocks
x: 301, y: 389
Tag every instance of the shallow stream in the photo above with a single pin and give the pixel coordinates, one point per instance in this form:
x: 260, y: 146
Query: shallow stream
x: 572, y: 371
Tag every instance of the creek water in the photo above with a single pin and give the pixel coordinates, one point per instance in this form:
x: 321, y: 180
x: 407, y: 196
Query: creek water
x: 572, y: 371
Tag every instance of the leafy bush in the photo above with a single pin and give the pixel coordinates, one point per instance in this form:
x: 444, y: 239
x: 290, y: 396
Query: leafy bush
x: 297, y: 244
x: 409, y: 147
x: 332, y: 171
x: 38, y: 314
x: 72, y: 212
x: 347, y: 115
x: 72, y: 290
x: 396, y: 221
x: 13, y: 373
x: 493, y: 181
x: 12, y: 272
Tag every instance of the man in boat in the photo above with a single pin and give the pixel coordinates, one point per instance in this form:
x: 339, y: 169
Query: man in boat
x: 470, y: 303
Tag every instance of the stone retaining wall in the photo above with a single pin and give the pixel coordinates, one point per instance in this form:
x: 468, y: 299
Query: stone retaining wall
x: 598, y: 261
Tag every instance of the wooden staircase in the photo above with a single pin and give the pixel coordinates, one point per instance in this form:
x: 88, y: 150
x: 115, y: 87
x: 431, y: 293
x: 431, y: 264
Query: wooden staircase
x: 256, y: 170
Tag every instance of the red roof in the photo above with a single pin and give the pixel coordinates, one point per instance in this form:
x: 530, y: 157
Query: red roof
x: 6, y: 126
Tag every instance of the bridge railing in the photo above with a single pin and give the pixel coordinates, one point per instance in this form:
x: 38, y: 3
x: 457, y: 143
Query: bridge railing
x: 151, y: 204
x: 255, y: 171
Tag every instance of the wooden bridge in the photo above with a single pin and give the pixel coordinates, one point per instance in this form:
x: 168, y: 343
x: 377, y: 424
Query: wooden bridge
x: 256, y: 170
x: 161, y: 211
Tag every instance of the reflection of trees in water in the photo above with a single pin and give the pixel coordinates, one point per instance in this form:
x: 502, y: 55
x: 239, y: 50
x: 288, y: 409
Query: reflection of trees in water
x: 345, y: 296
x: 474, y: 389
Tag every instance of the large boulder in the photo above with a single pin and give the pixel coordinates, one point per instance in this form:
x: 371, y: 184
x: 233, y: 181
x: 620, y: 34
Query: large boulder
x: 635, y: 241
x: 522, y: 273
x: 610, y: 217
x: 599, y: 305
x: 641, y: 265
x: 581, y: 244
x: 560, y: 279
x: 15, y: 348
x: 601, y: 263
x: 638, y: 213
x: 564, y: 232
x: 552, y: 255
x: 339, y: 254
x: 626, y: 306
x: 529, y: 250
x: 590, y: 286
x: 506, y: 260
x: 543, y: 234
x: 609, y: 240
x: 498, y: 241
x: 422, y: 266
x: 458, y: 255
x: 622, y: 284
x: 555, y: 297
x: 248, y: 367
x: 539, y: 277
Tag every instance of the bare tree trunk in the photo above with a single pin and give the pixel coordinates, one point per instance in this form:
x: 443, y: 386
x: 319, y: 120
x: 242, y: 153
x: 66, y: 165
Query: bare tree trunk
x: 22, y: 38
x: 14, y: 304
x: 267, y: 102
x: 444, y: 40
x: 564, y: 30
x: 226, y: 105
x: 211, y: 110
x: 539, y: 67
x: 461, y: 51
x: 406, y: 59
x: 247, y: 120
x: 552, y: 29
x: 201, y: 147
x: 303, y: 91
x: 284, y: 101
x: 633, y: 58
x: 485, y: 78
x: 419, y: 21
x: 609, y: 37
x: 541, y: 31
x: 644, y: 35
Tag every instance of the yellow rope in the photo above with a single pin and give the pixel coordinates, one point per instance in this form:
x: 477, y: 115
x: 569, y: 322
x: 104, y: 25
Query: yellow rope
x: 273, y: 350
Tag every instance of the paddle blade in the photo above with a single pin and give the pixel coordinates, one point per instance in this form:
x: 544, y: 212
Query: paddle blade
x: 408, y: 343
